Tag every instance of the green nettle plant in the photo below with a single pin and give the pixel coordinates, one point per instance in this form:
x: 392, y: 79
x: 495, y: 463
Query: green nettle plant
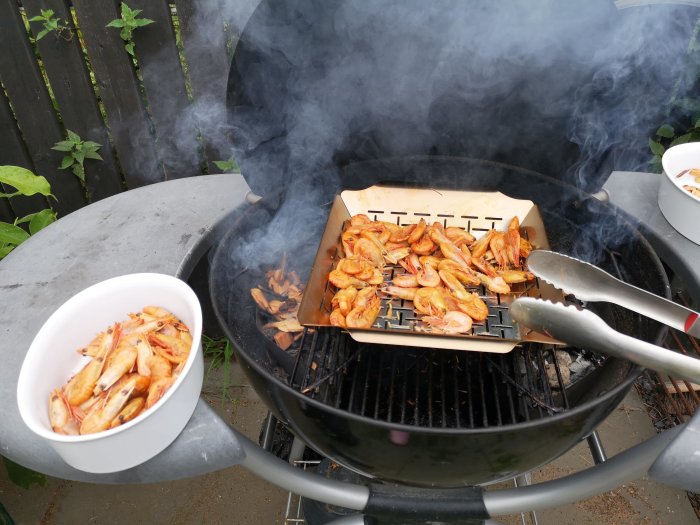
x: 666, y: 137
x: 26, y: 183
x: 77, y: 150
x: 50, y: 24
x: 126, y: 25
x: 227, y: 166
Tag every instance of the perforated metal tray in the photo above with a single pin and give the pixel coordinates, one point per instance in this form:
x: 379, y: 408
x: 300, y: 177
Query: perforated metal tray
x: 397, y: 324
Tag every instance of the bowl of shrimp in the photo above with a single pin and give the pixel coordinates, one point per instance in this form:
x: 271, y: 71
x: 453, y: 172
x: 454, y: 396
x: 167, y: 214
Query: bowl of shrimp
x: 114, y: 374
x: 679, y: 190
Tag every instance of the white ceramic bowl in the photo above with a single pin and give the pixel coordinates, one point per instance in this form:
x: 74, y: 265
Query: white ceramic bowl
x: 52, y: 359
x: 681, y: 209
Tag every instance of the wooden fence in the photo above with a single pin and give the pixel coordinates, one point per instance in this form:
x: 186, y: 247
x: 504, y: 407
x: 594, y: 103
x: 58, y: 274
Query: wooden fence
x: 157, y: 116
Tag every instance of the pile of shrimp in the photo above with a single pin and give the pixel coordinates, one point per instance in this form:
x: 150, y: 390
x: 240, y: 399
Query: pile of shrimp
x: 439, y: 262
x: 133, y: 365
x: 281, y: 298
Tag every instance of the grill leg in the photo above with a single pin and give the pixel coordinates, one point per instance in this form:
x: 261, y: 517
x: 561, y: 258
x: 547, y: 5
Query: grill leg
x: 596, y: 446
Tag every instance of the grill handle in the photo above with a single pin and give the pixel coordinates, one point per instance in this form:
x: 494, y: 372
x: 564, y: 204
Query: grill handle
x: 584, y: 329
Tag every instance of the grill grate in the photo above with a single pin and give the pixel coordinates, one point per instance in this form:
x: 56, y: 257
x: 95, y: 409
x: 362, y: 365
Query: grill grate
x: 432, y: 388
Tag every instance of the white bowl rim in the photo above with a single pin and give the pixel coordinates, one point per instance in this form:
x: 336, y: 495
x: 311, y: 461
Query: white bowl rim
x: 196, y: 340
x: 677, y: 149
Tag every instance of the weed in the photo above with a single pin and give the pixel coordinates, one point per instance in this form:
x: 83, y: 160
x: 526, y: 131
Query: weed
x: 228, y: 166
x: 126, y: 25
x: 77, y: 150
x: 49, y: 24
x: 220, y: 352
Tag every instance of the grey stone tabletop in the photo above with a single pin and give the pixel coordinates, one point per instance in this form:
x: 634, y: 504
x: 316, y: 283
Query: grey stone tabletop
x: 163, y: 228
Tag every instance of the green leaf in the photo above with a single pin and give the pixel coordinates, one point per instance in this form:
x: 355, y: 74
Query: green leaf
x: 681, y: 140
x: 92, y: 155
x: 140, y: 22
x: 41, y: 220
x: 78, y: 156
x: 117, y: 22
x: 67, y: 162
x: 4, y: 250
x: 11, y: 234
x: 656, y: 148
x: 79, y: 171
x: 73, y: 137
x: 63, y: 145
x: 666, y: 131
x: 130, y: 48
x: 47, y: 13
x: 24, y: 180
x: 91, y: 144
x: 22, y: 476
x: 36, y: 19
x: 42, y: 34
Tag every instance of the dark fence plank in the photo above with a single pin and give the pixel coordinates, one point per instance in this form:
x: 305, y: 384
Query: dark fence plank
x: 204, y: 42
x: 13, y: 153
x: 119, y: 91
x: 70, y: 81
x: 33, y: 109
x: 164, y: 83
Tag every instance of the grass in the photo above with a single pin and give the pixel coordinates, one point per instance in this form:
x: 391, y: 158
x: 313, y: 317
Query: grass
x: 219, y: 353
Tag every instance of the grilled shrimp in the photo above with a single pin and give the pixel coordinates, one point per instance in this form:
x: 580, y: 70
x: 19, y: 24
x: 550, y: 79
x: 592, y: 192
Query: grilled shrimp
x: 402, y: 234
x: 60, y: 414
x: 337, y: 318
x: 173, y: 349
x: 405, y: 280
x: 343, y: 299
x: 80, y: 387
x: 119, y: 363
x: 428, y: 276
x: 402, y: 293
x: 453, y: 285
x: 424, y: 246
x: 429, y: 301
x: 158, y: 389
x: 474, y: 306
x: 451, y: 323
x: 364, y: 317
x: 411, y: 264
x: 512, y: 240
x: 343, y: 280
x: 484, y: 266
x: 102, y: 414
x: 479, y: 247
x: 451, y: 252
x: 459, y: 236
x: 466, y: 276
x: 368, y: 249
x: 498, y: 248
x: 495, y: 284
x: 359, y: 219
x: 515, y: 276
x: 417, y: 232
x: 364, y: 296
x: 132, y: 409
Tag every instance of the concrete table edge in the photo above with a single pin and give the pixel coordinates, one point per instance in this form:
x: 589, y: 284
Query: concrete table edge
x: 164, y: 228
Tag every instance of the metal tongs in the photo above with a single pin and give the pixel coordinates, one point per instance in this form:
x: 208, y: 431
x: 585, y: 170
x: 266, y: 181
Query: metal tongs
x: 584, y: 329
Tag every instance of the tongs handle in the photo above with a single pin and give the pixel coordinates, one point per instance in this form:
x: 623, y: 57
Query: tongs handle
x: 584, y: 329
x: 590, y: 283
x: 658, y: 308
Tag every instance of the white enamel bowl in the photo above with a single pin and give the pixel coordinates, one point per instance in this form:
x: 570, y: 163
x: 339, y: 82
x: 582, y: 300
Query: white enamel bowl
x: 52, y: 359
x: 681, y: 209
